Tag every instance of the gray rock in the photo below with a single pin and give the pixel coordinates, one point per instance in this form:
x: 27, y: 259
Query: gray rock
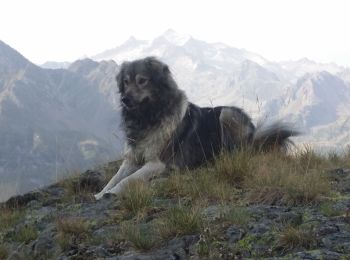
x: 317, y: 254
x: 327, y: 229
x: 212, y: 213
x: 234, y: 234
x: 44, y: 247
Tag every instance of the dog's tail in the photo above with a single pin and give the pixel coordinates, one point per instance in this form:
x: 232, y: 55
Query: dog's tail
x: 239, y: 132
x: 275, y: 136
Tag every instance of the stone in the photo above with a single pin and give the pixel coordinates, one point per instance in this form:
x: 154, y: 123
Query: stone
x: 234, y: 234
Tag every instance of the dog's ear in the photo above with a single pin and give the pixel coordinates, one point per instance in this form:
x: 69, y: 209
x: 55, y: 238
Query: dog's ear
x: 157, y: 66
x: 120, y: 75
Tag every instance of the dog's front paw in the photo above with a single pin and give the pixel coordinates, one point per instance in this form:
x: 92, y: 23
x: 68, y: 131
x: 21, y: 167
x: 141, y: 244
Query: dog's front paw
x: 98, y: 196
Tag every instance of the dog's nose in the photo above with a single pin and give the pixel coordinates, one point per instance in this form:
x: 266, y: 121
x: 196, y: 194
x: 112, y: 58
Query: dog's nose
x: 126, y: 100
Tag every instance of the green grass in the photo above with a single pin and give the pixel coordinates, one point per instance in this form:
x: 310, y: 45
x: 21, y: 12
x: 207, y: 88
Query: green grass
x: 180, y: 220
x: 25, y: 234
x: 237, y: 216
x: 328, y: 210
x: 10, y: 217
x: 143, y: 237
x: 137, y: 197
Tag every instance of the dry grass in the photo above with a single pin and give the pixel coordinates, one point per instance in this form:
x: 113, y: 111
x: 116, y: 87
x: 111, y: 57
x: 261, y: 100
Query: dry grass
x: 270, y: 178
x: 308, y: 159
x: 290, y: 180
x: 73, y: 225
x: 238, y: 216
x: 143, y: 237
x: 179, y: 220
x: 200, y: 185
x: 295, y: 238
x: 235, y: 168
x: 9, y: 217
x: 137, y: 197
x: 345, y: 158
x: 72, y: 230
x: 74, y: 191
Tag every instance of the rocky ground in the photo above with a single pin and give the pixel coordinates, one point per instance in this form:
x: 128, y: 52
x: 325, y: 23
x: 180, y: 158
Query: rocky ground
x: 63, y: 221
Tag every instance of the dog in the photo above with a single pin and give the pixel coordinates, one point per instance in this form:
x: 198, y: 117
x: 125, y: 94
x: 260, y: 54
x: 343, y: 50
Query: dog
x: 164, y: 130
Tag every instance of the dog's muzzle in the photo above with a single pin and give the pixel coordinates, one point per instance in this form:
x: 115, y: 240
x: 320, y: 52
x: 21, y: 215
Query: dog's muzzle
x: 126, y: 102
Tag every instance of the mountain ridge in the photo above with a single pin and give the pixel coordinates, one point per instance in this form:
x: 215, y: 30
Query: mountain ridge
x: 54, y: 121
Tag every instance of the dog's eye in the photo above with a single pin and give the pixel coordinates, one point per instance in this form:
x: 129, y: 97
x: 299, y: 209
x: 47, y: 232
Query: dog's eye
x: 142, y: 81
x: 126, y: 81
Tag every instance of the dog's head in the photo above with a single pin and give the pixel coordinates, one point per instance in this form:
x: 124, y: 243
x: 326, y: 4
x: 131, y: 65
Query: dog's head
x: 143, y: 81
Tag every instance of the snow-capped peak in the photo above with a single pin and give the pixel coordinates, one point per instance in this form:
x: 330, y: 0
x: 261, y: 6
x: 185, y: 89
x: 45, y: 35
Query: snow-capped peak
x: 176, y: 38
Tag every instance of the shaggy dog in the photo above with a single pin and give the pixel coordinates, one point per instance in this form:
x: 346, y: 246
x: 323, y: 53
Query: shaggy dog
x: 164, y: 130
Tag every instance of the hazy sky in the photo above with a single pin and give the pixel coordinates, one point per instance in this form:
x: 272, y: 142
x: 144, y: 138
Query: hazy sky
x: 62, y: 30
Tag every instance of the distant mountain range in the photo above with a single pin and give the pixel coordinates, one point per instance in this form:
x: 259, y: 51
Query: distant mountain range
x: 59, y: 117
x: 54, y: 121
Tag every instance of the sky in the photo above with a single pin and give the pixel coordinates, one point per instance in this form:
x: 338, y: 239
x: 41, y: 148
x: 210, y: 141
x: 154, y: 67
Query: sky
x: 64, y: 30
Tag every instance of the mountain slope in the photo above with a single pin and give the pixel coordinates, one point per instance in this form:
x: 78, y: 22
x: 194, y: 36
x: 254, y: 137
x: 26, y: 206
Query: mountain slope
x: 54, y: 121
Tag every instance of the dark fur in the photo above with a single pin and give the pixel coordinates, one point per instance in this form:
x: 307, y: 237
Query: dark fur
x: 202, y: 133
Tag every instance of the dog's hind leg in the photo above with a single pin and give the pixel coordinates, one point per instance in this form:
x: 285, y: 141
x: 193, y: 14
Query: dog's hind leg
x: 125, y: 170
x: 236, y: 129
x: 147, y: 171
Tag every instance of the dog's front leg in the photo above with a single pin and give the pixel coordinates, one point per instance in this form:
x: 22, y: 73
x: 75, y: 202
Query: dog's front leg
x: 150, y: 169
x: 125, y: 169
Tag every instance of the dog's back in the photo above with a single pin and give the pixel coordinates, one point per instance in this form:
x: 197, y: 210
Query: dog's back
x: 203, y: 133
x: 207, y: 131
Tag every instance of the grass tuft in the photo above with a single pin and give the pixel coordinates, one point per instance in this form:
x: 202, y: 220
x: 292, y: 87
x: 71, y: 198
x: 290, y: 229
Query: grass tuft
x: 73, y: 225
x: 72, y: 230
x: 74, y: 190
x: 26, y: 234
x: 143, y: 237
x: 180, y: 220
x: 200, y: 185
x: 282, y: 180
x: 295, y: 238
x: 234, y: 168
x: 137, y: 196
x: 238, y: 216
x: 9, y: 218
x: 328, y: 210
x: 308, y: 159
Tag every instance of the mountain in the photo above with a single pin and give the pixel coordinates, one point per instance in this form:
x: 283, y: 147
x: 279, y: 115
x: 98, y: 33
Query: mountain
x: 55, y: 65
x: 313, y: 96
x: 54, y: 121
